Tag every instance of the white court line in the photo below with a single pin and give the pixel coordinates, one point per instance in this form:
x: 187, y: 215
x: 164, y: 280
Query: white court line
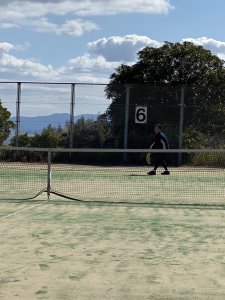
x: 20, y: 211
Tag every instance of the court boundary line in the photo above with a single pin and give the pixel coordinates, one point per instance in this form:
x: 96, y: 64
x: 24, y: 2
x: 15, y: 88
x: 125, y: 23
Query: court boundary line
x: 19, y: 211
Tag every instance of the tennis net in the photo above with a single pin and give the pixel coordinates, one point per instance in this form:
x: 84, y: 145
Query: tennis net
x: 23, y: 173
x: 114, y: 175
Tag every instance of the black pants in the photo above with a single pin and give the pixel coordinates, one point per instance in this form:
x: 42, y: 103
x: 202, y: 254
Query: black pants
x: 160, y: 160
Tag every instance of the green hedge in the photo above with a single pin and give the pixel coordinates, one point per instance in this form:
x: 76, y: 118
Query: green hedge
x: 208, y: 159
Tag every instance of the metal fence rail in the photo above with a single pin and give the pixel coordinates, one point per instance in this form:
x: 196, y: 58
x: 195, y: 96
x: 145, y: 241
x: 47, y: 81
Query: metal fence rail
x: 136, y: 109
x: 27, y: 99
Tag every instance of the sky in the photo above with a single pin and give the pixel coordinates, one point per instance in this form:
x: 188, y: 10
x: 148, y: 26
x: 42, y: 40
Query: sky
x: 85, y: 40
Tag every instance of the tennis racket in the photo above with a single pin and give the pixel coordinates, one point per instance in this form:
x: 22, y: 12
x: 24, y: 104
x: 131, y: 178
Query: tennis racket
x: 148, y: 158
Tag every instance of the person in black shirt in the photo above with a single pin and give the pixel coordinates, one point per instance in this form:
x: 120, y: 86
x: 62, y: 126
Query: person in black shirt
x: 160, y: 142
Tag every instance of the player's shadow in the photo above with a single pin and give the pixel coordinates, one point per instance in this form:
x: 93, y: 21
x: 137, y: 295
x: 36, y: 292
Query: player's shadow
x: 138, y: 175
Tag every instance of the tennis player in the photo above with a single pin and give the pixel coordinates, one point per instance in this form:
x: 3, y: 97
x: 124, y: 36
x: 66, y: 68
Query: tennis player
x: 160, y: 142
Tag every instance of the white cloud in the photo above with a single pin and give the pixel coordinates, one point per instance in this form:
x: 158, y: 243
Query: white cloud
x: 87, y: 69
x: 217, y: 47
x: 36, y: 14
x: 22, y: 47
x: 5, y: 25
x: 86, y: 63
x: 24, y: 68
x: 76, y: 27
x: 221, y: 56
x: 5, y: 47
x: 80, y: 69
x: 71, y: 27
x: 121, y: 48
x: 13, y: 9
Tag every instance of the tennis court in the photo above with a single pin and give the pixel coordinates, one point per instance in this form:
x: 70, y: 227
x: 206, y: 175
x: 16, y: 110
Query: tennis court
x: 64, y: 250
x: 122, y: 235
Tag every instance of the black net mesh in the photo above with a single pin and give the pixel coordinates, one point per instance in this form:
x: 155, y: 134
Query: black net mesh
x: 23, y: 174
x: 104, y: 177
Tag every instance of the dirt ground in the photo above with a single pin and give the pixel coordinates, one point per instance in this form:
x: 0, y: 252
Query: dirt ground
x: 62, y: 250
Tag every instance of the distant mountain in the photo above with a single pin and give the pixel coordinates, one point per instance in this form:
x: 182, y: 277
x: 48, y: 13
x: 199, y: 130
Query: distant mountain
x: 33, y: 125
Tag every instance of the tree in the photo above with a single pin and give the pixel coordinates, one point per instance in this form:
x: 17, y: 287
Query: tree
x: 173, y: 64
x: 88, y: 133
x: 5, y: 124
x: 50, y: 138
x: 25, y: 140
x: 156, y: 81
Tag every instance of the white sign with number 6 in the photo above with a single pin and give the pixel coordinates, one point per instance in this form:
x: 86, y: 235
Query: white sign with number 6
x: 141, y: 115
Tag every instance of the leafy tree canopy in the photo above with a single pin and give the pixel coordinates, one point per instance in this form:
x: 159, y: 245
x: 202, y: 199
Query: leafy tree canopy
x: 5, y: 124
x: 173, y: 64
x: 156, y: 80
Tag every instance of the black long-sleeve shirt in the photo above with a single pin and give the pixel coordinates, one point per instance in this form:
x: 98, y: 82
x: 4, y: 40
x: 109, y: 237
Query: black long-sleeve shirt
x: 160, y: 141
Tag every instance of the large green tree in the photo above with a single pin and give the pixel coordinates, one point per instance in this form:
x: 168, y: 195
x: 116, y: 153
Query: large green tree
x: 89, y: 133
x: 156, y: 80
x: 5, y: 124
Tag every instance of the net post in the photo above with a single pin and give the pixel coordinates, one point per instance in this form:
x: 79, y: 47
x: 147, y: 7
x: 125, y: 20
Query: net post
x: 181, y: 126
x: 72, y: 106
x: 49, y: 173
x: 126, y: 120
x: 18, y: 101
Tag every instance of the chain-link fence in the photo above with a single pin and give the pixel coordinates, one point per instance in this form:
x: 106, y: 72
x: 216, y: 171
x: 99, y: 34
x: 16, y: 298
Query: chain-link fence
x: 113, y: 116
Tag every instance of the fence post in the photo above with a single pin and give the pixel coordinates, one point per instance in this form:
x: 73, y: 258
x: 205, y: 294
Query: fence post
x: 18, y: 101
x: 126, y: 121
x: 181, y: 127
x: 49, y: 183
x: 72, y: 107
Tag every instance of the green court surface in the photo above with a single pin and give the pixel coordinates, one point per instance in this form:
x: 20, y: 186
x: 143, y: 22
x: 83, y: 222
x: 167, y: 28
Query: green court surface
x: 64, y: 250
x: 132, y: 236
